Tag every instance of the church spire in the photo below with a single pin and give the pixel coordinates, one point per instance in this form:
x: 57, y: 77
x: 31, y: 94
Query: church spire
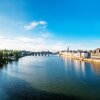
x: 68, y: 49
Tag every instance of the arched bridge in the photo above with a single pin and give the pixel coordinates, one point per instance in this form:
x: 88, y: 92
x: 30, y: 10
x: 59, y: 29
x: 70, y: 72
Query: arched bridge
x: 40, y: 53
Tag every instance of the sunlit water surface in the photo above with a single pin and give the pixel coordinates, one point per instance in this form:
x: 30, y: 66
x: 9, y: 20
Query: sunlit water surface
x: 53, y: 77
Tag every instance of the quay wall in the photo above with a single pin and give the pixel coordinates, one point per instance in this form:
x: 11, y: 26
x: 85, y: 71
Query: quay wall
x: 93, y: 59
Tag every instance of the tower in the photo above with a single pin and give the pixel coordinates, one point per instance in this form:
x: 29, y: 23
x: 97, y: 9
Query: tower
x: 68, y: 49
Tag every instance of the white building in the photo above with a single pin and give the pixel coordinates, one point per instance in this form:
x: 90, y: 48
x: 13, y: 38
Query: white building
x: 85, y: 55
x: 77, y: 54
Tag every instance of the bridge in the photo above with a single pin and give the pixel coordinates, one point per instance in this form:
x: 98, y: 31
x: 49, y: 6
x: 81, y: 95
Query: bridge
x: 40, y: 53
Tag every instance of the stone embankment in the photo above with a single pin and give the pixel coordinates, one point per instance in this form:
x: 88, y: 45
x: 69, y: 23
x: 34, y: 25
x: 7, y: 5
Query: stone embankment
x: 94, y: 60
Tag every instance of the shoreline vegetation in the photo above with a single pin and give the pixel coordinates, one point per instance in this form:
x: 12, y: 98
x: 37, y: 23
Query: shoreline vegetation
x: 10, y: 55
x: 13, y: 55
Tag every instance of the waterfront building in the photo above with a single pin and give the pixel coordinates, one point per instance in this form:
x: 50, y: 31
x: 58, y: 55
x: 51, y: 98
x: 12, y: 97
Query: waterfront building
x: 76, y: 54
x: 85, y: 54
x: 95, y: 53
x: 98, y: 50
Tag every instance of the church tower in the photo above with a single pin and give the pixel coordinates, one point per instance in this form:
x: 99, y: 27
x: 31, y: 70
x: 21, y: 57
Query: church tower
x: 68, y: 49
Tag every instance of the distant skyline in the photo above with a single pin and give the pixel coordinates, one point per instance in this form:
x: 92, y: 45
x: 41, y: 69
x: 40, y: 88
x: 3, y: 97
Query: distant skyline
x: 49, y: 24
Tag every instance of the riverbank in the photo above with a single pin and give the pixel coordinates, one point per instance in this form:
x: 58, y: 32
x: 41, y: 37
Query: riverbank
x: 11, y: 55
x: 93, y: 60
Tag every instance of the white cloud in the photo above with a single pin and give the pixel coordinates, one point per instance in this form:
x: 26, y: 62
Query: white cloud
x: 47, y: 35
x: 1, y: 37
x: 35, y: 24
x: 37, y: 43
x: 43, y: 22
x: 45, y: 41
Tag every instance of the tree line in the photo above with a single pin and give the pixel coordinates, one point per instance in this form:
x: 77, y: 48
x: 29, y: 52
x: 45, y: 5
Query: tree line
x: 8, y: 55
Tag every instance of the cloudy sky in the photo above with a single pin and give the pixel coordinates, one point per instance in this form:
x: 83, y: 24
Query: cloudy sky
x: 49, y: 24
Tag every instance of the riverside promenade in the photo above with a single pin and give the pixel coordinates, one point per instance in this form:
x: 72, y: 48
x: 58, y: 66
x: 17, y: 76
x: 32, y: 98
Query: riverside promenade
x: 93, y: 60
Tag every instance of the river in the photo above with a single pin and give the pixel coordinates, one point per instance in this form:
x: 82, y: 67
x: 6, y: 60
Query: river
x: 49, y: 78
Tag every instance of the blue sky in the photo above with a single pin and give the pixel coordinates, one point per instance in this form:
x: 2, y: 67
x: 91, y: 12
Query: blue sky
x: 49, y: 24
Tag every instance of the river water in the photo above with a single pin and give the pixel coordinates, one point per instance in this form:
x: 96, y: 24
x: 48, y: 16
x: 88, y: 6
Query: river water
x: 49, y: 78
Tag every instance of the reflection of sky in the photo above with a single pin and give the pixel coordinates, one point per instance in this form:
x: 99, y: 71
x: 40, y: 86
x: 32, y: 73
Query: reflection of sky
x: 96, y: 68
x: 54, y: 74
x: 77, y: 66
x: 34, y: 70
x: 82, y: 68
x: 27, y: 68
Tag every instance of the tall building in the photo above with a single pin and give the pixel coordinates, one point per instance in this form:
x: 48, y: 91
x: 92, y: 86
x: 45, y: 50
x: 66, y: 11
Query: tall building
x: 68, y: 49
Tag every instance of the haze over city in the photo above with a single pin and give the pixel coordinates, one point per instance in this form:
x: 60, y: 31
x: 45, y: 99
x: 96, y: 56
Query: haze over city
x: 49, y: 24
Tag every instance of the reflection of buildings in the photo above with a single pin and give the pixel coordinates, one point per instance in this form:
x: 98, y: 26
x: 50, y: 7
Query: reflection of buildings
x: 81, y: 69
x: 74, y: 66
x: 96, y: 68
x: 77, y: 65
x: 68, y: 63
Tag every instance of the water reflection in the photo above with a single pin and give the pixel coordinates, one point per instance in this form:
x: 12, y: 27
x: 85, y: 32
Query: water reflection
x: 81, y: 67
x: 2, y: 65
x: 96, y: 68
x: 49, y: 78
